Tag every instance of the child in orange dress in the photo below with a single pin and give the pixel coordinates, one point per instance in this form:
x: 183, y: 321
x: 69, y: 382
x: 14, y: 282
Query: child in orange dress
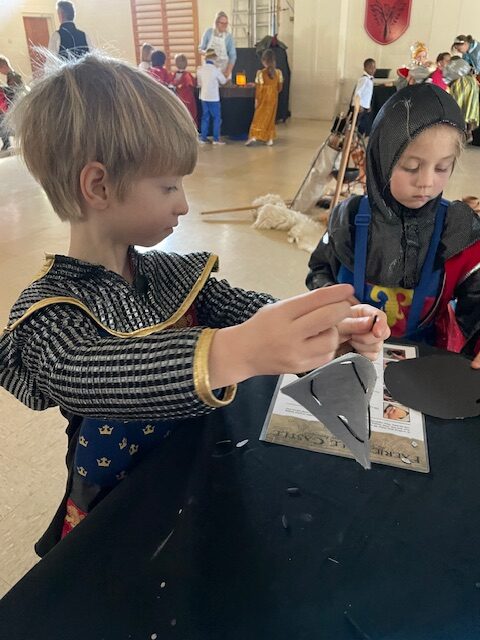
x: 268, y: 84
x: 185, y: 83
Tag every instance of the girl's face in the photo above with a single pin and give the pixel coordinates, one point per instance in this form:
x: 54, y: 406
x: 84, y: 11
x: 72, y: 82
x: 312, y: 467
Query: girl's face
x: 444, y: 61
x: 421, y: 57
x: 423, y: 170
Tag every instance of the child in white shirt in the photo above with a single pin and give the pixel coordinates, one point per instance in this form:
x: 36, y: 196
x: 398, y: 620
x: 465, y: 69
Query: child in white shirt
x: 209, y: 78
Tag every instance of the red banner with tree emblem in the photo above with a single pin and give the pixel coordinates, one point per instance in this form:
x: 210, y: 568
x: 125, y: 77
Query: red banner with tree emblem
x: 387, y: 20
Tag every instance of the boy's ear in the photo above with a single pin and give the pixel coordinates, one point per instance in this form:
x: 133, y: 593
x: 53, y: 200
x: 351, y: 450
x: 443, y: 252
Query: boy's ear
x: 95, y: 186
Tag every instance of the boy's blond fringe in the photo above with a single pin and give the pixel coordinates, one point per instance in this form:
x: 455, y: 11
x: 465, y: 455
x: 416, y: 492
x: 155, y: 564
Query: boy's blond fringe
x: 100, y: 109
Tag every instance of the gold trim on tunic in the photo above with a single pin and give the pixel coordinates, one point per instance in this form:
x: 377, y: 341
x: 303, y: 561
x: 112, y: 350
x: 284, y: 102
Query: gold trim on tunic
x: 201, y: 378
x: 137, y: 333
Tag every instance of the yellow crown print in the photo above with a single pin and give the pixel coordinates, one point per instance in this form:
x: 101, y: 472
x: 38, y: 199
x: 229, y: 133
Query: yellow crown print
x: 105, y: 430
x: 103, y: 462
x: 82, y: 471
x: 123, y: 443
x: 133, y: 449
x: 82, y: 441
x: 148, y: 429
x: 121, y: 475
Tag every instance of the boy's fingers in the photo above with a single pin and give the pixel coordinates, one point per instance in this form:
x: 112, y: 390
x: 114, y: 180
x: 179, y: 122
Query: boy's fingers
x: 307, y: 302
x: 322, y: 346
x: 321, y: 319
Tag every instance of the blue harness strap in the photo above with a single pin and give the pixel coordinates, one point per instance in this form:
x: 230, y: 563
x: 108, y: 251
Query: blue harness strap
x: 362, y: 222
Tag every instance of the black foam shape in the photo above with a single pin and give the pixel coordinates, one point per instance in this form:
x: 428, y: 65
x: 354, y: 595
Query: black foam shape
x: 442, y: 385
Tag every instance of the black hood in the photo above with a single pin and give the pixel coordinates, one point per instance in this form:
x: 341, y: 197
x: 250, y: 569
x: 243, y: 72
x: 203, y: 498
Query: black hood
x: 398, y: 237
x: 405, y: 115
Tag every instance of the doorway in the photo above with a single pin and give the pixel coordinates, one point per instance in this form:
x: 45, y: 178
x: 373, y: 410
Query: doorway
x: 37, y: 32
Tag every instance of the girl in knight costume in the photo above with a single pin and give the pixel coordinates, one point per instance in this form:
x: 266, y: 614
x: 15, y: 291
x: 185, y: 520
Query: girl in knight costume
x: 406, y: 249
x: 128, y: 344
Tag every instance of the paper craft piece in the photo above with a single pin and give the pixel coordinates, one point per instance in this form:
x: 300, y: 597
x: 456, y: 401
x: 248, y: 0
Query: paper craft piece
x: 442, y: 385
x: 338, y: 394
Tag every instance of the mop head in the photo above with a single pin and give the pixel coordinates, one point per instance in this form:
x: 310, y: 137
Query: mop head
x: 273, y: 213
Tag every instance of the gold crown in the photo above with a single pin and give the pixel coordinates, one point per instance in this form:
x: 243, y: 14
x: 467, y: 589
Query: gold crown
x: 103, y: 462
x: 82, y: 471
x: 121, y: 475
x: 133, y: 449
x: 148, y: 429
x: 105, y: 430
x: 82, y: 441
x: 123, y: 443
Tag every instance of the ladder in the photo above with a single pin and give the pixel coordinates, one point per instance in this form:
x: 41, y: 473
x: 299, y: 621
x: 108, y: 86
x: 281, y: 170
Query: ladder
x: 252, y: 20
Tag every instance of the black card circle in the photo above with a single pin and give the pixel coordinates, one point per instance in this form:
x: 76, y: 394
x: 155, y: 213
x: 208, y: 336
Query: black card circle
x: 441, y: 385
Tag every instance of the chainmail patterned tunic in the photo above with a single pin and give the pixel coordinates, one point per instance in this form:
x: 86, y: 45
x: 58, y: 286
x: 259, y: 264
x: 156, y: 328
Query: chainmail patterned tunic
x: 83, y: 338
x: 125, y: 363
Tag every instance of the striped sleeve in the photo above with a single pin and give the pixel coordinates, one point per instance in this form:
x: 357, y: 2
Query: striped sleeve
x: 58, y: 357
x: 221, y: 305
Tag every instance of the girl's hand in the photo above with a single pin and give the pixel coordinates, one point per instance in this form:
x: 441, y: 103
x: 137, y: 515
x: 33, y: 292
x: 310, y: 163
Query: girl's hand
x: 365, y: 330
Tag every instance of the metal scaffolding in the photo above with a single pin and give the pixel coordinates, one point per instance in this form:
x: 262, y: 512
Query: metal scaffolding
x: 252, y: 20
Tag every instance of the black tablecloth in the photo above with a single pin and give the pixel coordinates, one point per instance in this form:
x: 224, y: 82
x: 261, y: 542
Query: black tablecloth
x: 381, y: 93
x: 203, y: 542
x: 238, y: 106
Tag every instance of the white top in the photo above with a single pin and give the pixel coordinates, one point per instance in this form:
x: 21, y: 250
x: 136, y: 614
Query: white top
x: 364, y: 90
x: 209, y: 78
x: 54, y: 42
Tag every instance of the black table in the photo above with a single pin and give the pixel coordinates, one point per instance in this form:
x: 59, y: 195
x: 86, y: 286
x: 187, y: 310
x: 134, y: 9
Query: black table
x: 238, y: 106
x: 381, y: 93
x: 203, y: 542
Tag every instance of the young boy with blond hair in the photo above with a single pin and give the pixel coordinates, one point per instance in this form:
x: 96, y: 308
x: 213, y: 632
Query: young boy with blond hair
x: 127, y: 342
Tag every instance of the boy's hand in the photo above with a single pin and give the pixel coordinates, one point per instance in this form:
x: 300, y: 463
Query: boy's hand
x: 363, y: 332
x: 291, y: 336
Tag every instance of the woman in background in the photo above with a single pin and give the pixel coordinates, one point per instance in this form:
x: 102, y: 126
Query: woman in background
x: 469, y: 49
x: 218, y: 38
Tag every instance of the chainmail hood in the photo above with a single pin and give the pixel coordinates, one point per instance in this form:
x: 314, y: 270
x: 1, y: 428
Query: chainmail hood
x: 399, y: 237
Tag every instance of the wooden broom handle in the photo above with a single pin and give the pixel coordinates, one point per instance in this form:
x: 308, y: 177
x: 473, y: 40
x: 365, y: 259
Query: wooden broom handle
x: 346, y: 153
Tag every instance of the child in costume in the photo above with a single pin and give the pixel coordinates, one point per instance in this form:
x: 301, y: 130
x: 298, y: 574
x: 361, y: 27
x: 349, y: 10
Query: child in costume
x: 465, y: 91
x: 364, y: 91
x: 268, y: 84
x: 184, y: 84
x: 408, y: 251
x: 7, y: 94
x: 146, y: 56
x: 209, y: 78
x: 437, y: 76
x: 419, y: 68
x: 128, y: 344
x: 157, y: 69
